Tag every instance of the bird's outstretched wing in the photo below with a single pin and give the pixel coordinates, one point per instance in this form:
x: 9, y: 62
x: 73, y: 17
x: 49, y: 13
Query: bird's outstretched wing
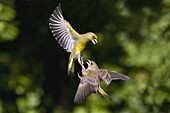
x: 85, y: 88
x: 62, y: 30
x: 107, y: 76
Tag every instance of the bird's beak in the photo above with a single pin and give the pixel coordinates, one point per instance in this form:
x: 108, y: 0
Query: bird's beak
x: 88, y: 62
x: 94, y: 41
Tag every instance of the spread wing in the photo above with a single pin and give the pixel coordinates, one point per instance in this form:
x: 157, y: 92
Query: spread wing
x: 107, y: 76
x: 85, y: 88
x: 61, y: 30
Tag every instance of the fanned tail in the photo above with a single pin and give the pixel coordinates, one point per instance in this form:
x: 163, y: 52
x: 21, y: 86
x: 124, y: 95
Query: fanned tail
x: 104, y: 94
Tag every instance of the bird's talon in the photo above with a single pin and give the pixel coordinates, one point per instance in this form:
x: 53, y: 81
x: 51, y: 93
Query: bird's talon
x: 79, y: 76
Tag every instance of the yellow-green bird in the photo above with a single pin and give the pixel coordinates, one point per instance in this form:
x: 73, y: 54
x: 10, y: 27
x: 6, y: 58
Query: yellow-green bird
x: 90, y: 81
x: 68, y: 38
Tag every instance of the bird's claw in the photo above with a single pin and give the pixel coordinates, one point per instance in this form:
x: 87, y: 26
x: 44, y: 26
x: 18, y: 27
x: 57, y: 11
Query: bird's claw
x: 79, y: 76
x: 83, y: 66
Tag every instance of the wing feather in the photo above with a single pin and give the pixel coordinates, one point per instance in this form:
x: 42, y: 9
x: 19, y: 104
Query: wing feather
x: 61, y: 30
x: 85, y: 88
x: 107, y: 76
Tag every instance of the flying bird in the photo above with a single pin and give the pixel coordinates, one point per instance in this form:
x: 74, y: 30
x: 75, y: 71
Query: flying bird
x: 90, y: 81
x: 69, y: 39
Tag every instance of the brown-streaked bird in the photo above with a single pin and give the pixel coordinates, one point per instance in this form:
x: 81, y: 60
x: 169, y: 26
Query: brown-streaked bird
x: 90, y: 81
x: 68, y: 38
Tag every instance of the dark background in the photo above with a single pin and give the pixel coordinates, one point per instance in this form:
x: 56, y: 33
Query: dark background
x: 134, y: 39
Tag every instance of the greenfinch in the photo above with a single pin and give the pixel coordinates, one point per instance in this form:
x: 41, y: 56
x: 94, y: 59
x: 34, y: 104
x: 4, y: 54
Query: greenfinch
x: 69, y: 39
x: 90, y: 81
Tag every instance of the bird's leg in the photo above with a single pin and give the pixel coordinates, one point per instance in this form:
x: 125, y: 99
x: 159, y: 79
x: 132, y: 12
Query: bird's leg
x: 82, y: 66
x: 81, y: 63
x: 79, y: 76
x: 80, y: 60
x: 81, y: 57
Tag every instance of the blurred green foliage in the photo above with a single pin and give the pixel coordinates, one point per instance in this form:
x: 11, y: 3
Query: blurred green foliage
x: 8, y: 31
x: 134, y: 39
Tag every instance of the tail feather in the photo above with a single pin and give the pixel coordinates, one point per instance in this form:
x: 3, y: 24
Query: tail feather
x: 70, y: 70
x: 104, y: 94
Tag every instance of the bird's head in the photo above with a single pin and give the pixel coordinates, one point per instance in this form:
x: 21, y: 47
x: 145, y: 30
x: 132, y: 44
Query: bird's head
x: 91, y: 65
x: 92, y: 37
